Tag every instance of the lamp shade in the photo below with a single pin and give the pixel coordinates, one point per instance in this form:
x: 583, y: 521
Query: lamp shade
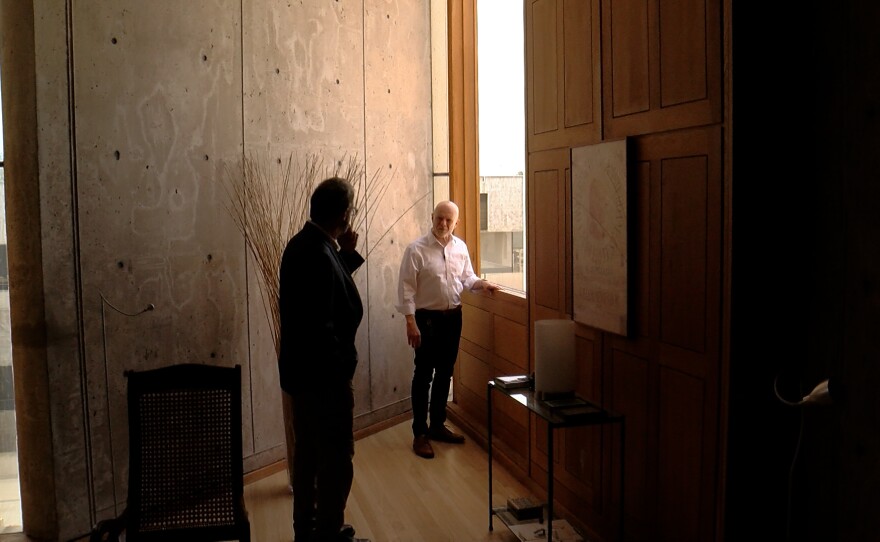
x: 555, y: 369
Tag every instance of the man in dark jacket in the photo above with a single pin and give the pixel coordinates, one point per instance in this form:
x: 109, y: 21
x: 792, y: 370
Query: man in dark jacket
x: 320, y: 313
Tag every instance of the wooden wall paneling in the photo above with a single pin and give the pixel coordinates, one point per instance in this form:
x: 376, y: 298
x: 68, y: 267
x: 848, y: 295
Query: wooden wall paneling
x: 474, y: 366
x: 511, y: 356
x: 538, y: 450
x: 626, y: 46
x: 580, y: 465
x: 687, y: 194
x: 679, y: 183
x: 581, y: 37
x: 631, y: 395
x: 683, y: 49
x: 547, y: 265
x: 662, y: 65
x: 683, y: 209
x: 514, y: 411
x: 680, y: 453
x: 546, y: 218
x: 581, y: 455
x: 477, y: 326
x: 581, y: 451
x: 545, y: 191
x: 512, y: 343
x: 567, y: 262
x: 588, y: 347
x: 641, y: 301
x: 512, y: 307
x: 563, y: 73
x: 510, y: 420
x: 470, y: 390
x: 475, y: 349
x: 510, y: 426
x: 542, y: 67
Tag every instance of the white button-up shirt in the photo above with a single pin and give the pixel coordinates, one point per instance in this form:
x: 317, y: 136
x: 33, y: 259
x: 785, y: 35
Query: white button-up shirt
x: 432, y: 276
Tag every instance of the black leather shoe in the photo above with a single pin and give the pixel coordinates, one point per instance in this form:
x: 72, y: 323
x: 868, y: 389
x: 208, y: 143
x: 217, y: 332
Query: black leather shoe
x: 444, y: 434
x: 422, y: 447
x: 346, y: 534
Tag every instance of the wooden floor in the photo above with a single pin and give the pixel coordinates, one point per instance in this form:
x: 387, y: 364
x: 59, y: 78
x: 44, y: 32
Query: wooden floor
x: 400, y: 497
x: 397, y: 496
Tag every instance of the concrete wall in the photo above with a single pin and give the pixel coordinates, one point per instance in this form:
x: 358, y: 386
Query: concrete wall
x: 140, y: 106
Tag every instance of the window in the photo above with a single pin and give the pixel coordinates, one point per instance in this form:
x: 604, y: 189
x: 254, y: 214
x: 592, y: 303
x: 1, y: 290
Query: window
x: 501, y: 126
x: 440, y: 100
x: 10, y: 494
x: 483, y: 115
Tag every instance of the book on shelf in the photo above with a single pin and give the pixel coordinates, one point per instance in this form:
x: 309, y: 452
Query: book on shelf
x: 513, y: 381
x: 524, y: 508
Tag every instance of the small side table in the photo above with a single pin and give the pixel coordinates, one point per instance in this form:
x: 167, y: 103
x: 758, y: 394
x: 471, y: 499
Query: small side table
x: 585, y: 413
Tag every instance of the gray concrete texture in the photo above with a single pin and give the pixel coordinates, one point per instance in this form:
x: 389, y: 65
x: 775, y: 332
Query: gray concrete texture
x: 163, y: 95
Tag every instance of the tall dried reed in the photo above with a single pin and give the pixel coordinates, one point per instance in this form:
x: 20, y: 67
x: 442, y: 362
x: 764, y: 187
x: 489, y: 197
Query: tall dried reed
x: 269, y: 203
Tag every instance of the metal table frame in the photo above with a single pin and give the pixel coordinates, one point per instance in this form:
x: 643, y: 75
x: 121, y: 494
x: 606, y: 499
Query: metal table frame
x: 555, y: 420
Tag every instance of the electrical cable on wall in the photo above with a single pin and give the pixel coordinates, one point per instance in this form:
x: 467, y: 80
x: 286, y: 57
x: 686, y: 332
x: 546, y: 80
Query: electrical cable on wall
x: 106, y: 302
x: 819, y: 395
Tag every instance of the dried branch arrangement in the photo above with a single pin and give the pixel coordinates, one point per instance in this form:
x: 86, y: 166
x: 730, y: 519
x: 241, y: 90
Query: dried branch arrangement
x: 270, y: 204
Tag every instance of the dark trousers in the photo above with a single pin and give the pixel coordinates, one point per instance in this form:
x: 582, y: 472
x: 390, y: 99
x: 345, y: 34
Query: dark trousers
x: 434, y: 360
x: 322, y: 460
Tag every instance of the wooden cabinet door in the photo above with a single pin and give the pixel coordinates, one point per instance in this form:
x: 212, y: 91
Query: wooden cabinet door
x: 661, y: 65
x: 563, y: 83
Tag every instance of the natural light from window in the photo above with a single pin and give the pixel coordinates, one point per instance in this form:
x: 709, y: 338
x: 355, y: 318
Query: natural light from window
x: 10, y: 493
x: 501, y: 104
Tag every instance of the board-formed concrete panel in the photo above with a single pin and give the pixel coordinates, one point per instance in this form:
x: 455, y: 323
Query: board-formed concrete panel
x: 142, y: 107
x: 157, y: 105
x: 398, y: 142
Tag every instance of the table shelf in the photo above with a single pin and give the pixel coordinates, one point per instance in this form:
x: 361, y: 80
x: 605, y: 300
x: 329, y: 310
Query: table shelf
x: 558, y: 413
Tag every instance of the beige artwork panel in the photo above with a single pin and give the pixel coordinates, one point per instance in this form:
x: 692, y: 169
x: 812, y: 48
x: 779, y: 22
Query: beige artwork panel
x: 599, y: 235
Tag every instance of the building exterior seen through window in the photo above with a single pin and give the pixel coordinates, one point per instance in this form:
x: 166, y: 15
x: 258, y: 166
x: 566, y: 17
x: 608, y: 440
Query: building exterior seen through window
x: 10, y: 492
x: 502, y: 131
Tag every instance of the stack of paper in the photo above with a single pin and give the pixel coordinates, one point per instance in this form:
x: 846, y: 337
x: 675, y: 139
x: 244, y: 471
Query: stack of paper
x: 537, y: 532
x: 512, y: 382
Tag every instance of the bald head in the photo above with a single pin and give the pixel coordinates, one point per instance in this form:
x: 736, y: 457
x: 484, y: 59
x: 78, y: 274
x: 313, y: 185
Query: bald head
x: 443, y: 220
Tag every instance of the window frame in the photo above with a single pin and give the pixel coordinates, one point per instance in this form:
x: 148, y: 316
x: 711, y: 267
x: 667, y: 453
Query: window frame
x: 464, y: 174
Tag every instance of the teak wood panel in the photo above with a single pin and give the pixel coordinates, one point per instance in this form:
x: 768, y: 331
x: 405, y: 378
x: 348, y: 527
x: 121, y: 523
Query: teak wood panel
x: 476, y: 326
x: 680, y: 505
x: 633, y: 396
x: 661, y: 65
x: 495, y: 341
x: 512, y: 342
x: 563, y: 73
x: 685, y: 246
x: 683, y: 232
x: 546, y: 187
x: 641, y: 266
x: 665, y: 380
x: 586, y: 453
x: 677, y: 233
x: 469, y: 389
x: 585, y: 469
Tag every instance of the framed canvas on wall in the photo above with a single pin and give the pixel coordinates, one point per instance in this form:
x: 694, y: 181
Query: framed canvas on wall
x: 599, y: 201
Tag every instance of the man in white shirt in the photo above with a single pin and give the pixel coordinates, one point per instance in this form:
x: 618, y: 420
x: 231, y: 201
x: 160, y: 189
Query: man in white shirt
x: 433, y: 272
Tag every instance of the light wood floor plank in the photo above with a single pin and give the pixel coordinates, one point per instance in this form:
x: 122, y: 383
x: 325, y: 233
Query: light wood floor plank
x: 400, y: 497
